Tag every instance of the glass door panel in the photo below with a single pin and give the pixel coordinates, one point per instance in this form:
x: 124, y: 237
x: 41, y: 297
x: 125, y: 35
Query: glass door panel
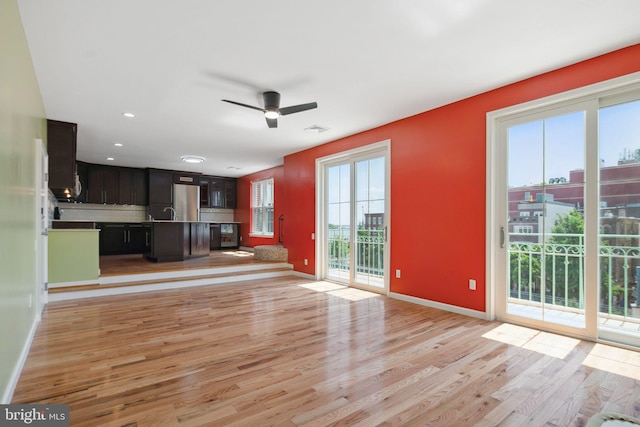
x: 369, y: 220
x: 338, y: 231
x: 619, y: 252
x: 545, y: 235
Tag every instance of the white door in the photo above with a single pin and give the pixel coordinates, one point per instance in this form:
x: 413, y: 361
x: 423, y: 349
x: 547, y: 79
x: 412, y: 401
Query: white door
x: 354, y: 207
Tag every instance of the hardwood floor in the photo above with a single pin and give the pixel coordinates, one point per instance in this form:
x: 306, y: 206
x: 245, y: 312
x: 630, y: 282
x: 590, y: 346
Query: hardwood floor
x: 135, y: 263
x: 293, y: 352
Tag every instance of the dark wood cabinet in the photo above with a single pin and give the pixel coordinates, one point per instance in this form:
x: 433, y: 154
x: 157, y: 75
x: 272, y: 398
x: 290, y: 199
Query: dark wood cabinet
x: 204, y: 193
x: 222, y: 193
x: 124, y: 238
x: 103, y: 182
x: 138, y: 238
x: 132, y: 186
x: 112, y: 184
x: 160, y: 193
x: 61, y: 148
x: 230, y: 193
x: 177, y: 241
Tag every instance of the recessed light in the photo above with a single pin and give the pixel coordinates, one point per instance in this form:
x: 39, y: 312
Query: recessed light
x: 235, y: 168
x: 117, y: 144
x: 110, y: 158
x: 128, y: 115
x: 193, y: 159
x: 316, y: 129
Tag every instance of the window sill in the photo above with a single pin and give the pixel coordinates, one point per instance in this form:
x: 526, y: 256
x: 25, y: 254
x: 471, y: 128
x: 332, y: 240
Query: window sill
x: 264, y: 236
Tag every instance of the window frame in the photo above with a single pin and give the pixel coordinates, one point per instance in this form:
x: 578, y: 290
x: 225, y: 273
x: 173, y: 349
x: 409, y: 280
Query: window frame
x: 267, y: 220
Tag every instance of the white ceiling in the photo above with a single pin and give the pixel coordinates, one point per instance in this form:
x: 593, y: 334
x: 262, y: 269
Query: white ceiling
x: 365, y: 62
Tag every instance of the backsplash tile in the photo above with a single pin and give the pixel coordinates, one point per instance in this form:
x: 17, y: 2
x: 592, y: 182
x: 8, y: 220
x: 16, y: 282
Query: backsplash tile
x: 125, y: 213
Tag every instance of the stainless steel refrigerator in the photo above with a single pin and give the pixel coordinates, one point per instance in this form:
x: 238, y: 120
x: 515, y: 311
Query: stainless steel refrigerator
x: 186, y: 202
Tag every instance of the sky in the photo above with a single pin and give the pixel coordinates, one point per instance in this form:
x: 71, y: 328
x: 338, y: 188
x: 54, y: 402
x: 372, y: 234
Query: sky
x: 560, y: 142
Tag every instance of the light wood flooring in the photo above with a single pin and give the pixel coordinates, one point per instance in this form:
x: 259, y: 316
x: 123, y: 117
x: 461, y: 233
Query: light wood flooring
x: 113, y: 265
x: 294, y: 352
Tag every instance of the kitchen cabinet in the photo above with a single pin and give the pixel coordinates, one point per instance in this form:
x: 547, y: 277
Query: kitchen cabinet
x: 204, y: 192
x: 177, y: 241
x: 124, y: 238
x: 61, y: 148
x: 132, y: 186
x: 160, y: 192
x: 222, y: 193
x: 199, y: 239
x: 104, y: 186
x: 111, y: 184
x: 230, y: 193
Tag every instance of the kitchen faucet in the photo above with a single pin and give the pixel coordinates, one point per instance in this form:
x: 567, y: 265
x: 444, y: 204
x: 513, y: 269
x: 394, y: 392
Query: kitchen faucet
x: 173, y: 212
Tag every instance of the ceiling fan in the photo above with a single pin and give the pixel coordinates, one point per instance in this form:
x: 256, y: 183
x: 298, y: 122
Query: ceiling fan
x: 272, y: 108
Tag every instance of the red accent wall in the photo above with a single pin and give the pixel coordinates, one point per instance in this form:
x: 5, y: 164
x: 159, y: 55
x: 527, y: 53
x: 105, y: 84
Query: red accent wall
x: 437, y: 184
x: 243, y: 209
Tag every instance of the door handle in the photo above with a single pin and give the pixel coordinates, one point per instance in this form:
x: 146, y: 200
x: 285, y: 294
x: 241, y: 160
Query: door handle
x: 502, y: 236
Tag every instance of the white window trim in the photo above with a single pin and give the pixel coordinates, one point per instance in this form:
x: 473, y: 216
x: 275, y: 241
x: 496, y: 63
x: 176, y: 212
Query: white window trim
x: 253, y: 233
x: 615, y: 89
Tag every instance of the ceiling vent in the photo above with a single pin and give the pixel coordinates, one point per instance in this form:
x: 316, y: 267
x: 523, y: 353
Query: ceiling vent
x: 316, y: 129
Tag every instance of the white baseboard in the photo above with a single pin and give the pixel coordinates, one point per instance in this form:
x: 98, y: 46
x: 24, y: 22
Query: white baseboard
x: 304, y: 275
x: 440, y: 306
x: 7, y: 394
x: 76, y: 283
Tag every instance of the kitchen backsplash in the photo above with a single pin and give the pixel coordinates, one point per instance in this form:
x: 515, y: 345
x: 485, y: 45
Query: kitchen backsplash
x: 123, y: 213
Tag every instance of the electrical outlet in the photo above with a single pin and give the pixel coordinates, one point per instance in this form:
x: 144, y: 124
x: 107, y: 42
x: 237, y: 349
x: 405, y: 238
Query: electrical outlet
x: 313, y: 236
x: 472, y: 284
x: 306, y: 261
x: 397, y: 273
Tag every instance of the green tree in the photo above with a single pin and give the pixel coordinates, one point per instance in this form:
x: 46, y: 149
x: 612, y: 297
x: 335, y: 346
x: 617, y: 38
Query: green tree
x: 567, y: 246
x: 564, y: 261
x: 524, y: 271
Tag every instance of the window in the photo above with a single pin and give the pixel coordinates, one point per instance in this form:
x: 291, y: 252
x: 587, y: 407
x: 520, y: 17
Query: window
x: 262, y: 207
x: 523, y: 229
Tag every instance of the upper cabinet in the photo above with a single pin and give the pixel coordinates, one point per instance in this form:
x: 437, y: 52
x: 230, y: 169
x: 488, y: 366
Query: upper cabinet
x: 61, y: 147
x: 133, y: 186
x: 222, y: 193
x: 112, y: 184
x: 103, y: 185
x: 160, y: 192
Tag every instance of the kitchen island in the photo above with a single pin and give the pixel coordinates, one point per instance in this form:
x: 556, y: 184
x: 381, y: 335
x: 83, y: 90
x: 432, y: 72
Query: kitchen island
x: 177, y: 240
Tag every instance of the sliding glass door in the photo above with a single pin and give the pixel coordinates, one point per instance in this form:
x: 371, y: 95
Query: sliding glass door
x: 355, y: 226
x: 565, y: 216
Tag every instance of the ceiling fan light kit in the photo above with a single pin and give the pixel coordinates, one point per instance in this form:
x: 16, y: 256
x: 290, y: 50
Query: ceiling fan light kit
x: 272, y: 108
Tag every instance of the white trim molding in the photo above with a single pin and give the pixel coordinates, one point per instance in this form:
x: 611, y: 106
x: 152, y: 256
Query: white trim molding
x: 439, y: 305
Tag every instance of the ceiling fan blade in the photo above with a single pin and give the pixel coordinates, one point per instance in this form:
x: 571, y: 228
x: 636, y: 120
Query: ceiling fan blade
x: 298, y: 108
x: 244, y: 105
x: 272, y: 123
